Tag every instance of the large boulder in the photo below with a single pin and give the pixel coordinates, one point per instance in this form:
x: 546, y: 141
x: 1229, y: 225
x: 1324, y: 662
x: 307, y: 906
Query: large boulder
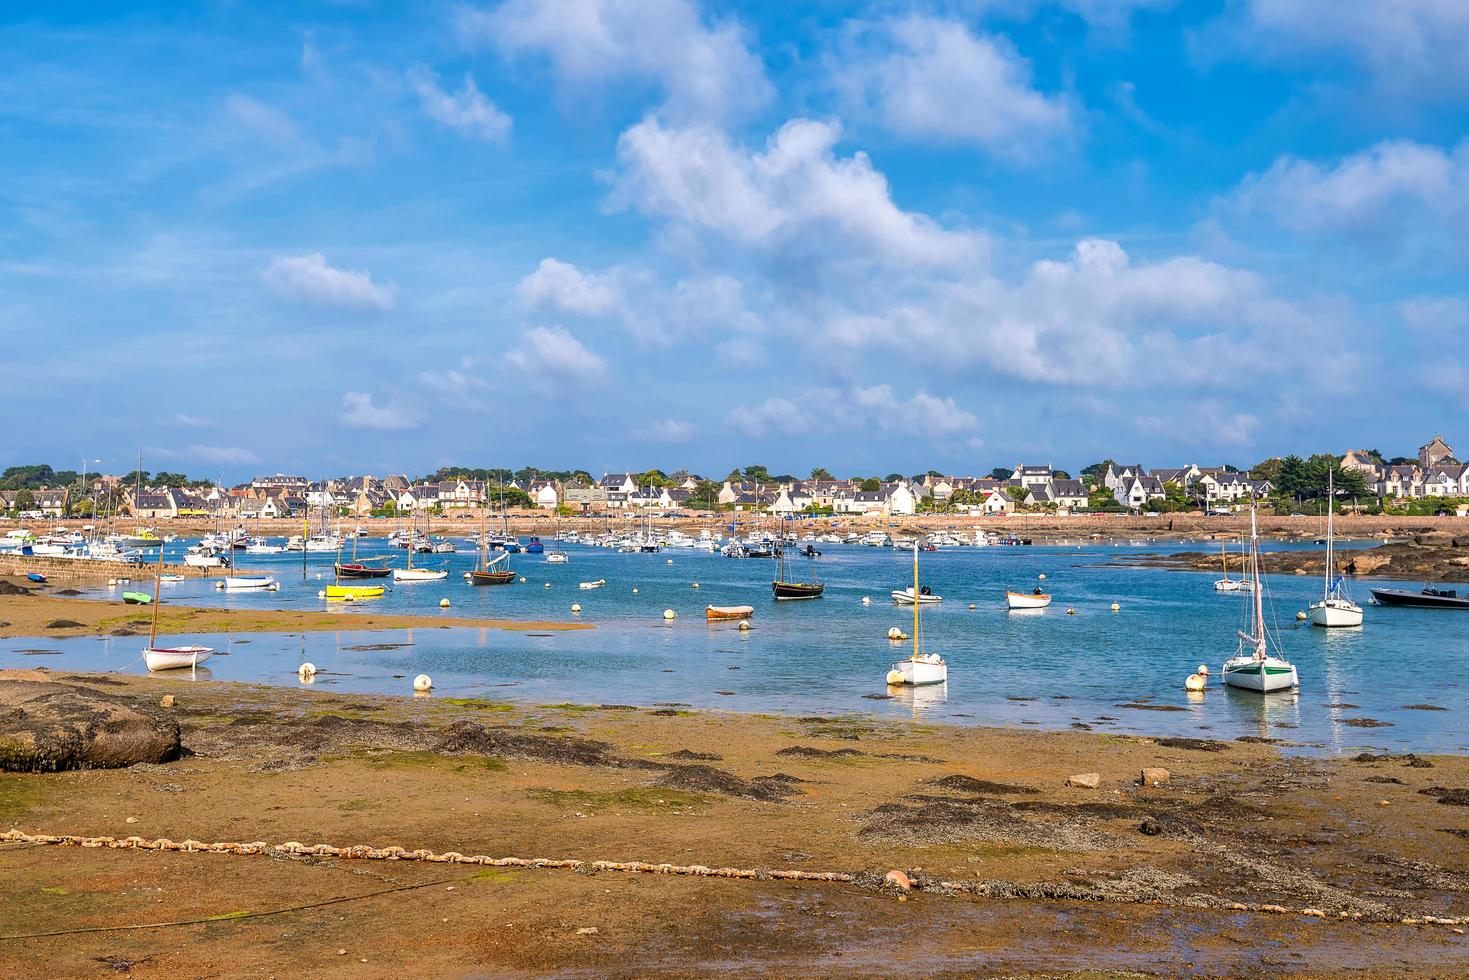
x: 49, y: 727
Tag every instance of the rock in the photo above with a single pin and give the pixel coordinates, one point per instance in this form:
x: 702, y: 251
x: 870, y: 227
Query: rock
x: 1150, y: 827
x: 1153, y: 776
x: 63, y: 624
x: 131, y: 820
x: 897, y: 879
x: 166, y: 701
x: 49, y: 727
x: 587, y: 931
x: 1085, y: 780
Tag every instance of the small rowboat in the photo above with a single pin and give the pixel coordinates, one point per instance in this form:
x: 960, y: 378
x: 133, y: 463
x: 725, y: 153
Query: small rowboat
x: 170, y: 579
x: 717, y: 613
x: 35, y: 577
x: 172, y: 658
x: 1027, y: 600
x: 360, y: 569
x: 233, y: 582
x: 593, y: 585
x: 137, y: 598
x: 418, y: 575
x: 354, y: 591
x: 904, y: 597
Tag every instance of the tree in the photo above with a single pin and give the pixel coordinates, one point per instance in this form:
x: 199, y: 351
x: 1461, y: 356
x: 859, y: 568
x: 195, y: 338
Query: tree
x: 1092, y: 475
x: 893, y: 478
x: 1060, y: 475
x: 871, y: 485
x: 654, y: 478
x: 705, y: 495
x: 1001, y: 473
x: 25, y: 500
x: 1018, y: 494
x: 820, y: 473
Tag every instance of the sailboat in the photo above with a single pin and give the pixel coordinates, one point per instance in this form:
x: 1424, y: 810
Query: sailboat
x: 373, y: 568
x: 556, y: 556
x: 411, y: 574
x: 485, y: 572
x: 338, y: 591
x: 1335, y: 608
x: 258, y: 580
x: 1253, y: 668
x: 920, y: 668
x: 168, y: 658
x: 1226, y: 584
x: 785, y: 589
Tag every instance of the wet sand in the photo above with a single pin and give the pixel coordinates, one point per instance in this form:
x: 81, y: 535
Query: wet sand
x: 42, y: 610
x: 1119, y: 878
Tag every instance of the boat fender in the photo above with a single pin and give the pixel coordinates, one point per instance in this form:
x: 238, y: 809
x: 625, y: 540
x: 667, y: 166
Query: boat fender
x: 423, y: 683
x: 895, y: 677
x: 575, y: 608
x: 443, y: 603
x: 669, y: 614
x: 1301, y: 616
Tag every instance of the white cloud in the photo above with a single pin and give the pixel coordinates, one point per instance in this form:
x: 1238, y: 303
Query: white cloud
x: 259, y: 119
x: 309, y: 279
x: 671, y: 431
x: 703, y: 70
x: 1436, y: 316
x: 222, y: 454
x: 550, y: 356
x: 931, y: 79
x: 359, y: 411
x: 1418, y: 47
x: 561, y: 287
x: 876, y: 407
x: 466, y: 110
x: 795, y: 194
x: 192, y: 421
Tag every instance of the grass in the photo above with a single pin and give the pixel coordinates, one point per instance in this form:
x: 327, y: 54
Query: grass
x: 635, y: 798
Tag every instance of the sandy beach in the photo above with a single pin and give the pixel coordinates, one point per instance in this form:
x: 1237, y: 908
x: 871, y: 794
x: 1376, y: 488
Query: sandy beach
x: 1015, y: 872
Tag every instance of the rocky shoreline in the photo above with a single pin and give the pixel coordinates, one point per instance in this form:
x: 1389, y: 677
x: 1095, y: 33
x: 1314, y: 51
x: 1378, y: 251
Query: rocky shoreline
x: 1424, y: 558
x: 1065, y: 851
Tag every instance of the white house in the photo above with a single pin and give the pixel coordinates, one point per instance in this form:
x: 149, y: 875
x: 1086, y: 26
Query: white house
x: 1136, y: 492
x: 1032, y: 476
x: 545, y: 496
x: 998, y: 502
x: 619, y: 487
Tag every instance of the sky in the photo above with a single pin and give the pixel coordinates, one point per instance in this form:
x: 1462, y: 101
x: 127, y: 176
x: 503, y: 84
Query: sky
x: 362, y: 236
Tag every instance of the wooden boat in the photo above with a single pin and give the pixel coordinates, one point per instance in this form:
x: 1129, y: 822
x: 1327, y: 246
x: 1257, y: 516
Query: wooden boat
x: 920, y: 668
x: 1336, y: 608
x: 1428, y: 598
x: 169, y: 658
x: 784, y: 589
x: 486, y: 573
x: 1027, y: 600
x: 718, y: 613
x: 1253, y: 668
x: 364, y: 569
x: 236, y: 582
x: 137, y: 598
x: 355, y: 591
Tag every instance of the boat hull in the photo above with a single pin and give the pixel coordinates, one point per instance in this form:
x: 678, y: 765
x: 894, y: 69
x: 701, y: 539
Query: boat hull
x: 718, y: 613
x: 1335, y: 612
x: 1421, y: 600
x: 137, y: 598
x: 418, y: 575
x: 363, y: 571
x: 1262, y: 676
x: 904, y: 597
x: 1026, y: 600
x: 237, y: 582
x: 354, y: 591
x: 797, y: 590
x: 173, y: 658
x: 1227, y: 585
x: 491, y: 578
x: 918, y: 673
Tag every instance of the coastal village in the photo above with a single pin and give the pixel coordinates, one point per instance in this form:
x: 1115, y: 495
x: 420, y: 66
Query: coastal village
x: 1433, y: 474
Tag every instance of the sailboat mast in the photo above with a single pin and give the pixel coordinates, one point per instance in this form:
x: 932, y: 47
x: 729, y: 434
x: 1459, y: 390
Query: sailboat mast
x: 915, y: 598
x: 1255, y: 577
x: 1330, y: 507
x: 157, y: 598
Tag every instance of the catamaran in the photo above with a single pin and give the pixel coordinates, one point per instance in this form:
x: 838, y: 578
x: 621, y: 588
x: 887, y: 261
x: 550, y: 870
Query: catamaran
x: 1253, y: 668
x: 920, y: 668
x: 1335, y: 608
x: 168, y: 658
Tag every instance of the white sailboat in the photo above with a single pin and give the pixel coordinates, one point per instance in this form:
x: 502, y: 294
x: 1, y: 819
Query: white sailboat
x: 411, y: 574
x: 1335, y: 608
x: 1253, y: 668
x: 168, y: 658
x: 920, y: 668
x: 1227, y: 584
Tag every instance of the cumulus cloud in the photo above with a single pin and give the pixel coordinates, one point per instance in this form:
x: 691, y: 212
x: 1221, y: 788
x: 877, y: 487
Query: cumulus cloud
x: 932, y: 79
x: 704, y: 70
x: 560, y: 287
x: 467, y: 111
x: 795, y: 192
x: 359, y: 411
x: 222, y: 454
x: 1418, y: 47
x: 877, y: 407
x: 671, y: 431
x: 309, y: 279
x: 549, y: 356
x: 1446, y: 316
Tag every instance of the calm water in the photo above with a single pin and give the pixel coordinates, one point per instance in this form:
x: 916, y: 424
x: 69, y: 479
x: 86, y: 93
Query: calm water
x: 829, y: 656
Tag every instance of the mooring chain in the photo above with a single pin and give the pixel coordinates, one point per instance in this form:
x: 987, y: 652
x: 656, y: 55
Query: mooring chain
x: 895, y: 881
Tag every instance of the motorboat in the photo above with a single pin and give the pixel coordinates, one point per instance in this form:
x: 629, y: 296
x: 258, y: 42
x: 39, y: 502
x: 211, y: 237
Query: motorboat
x: 925, y: 597
x: 237, y: 582
x: 1429, y: 598
x: 1027, y: 600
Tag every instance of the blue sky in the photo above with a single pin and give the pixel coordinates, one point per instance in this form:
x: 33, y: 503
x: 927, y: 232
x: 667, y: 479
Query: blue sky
x: 359, y: 236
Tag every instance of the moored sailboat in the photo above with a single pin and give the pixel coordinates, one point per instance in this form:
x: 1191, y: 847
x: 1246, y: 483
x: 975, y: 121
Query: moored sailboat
x: 785, y: 589
x: 1253, y: 668
x: 1336, y: 608
x: 169, y: 658
x: 920, y: 668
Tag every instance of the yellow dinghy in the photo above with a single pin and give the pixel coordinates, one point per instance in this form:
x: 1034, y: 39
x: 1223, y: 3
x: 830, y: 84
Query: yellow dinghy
x: 354, y: 591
